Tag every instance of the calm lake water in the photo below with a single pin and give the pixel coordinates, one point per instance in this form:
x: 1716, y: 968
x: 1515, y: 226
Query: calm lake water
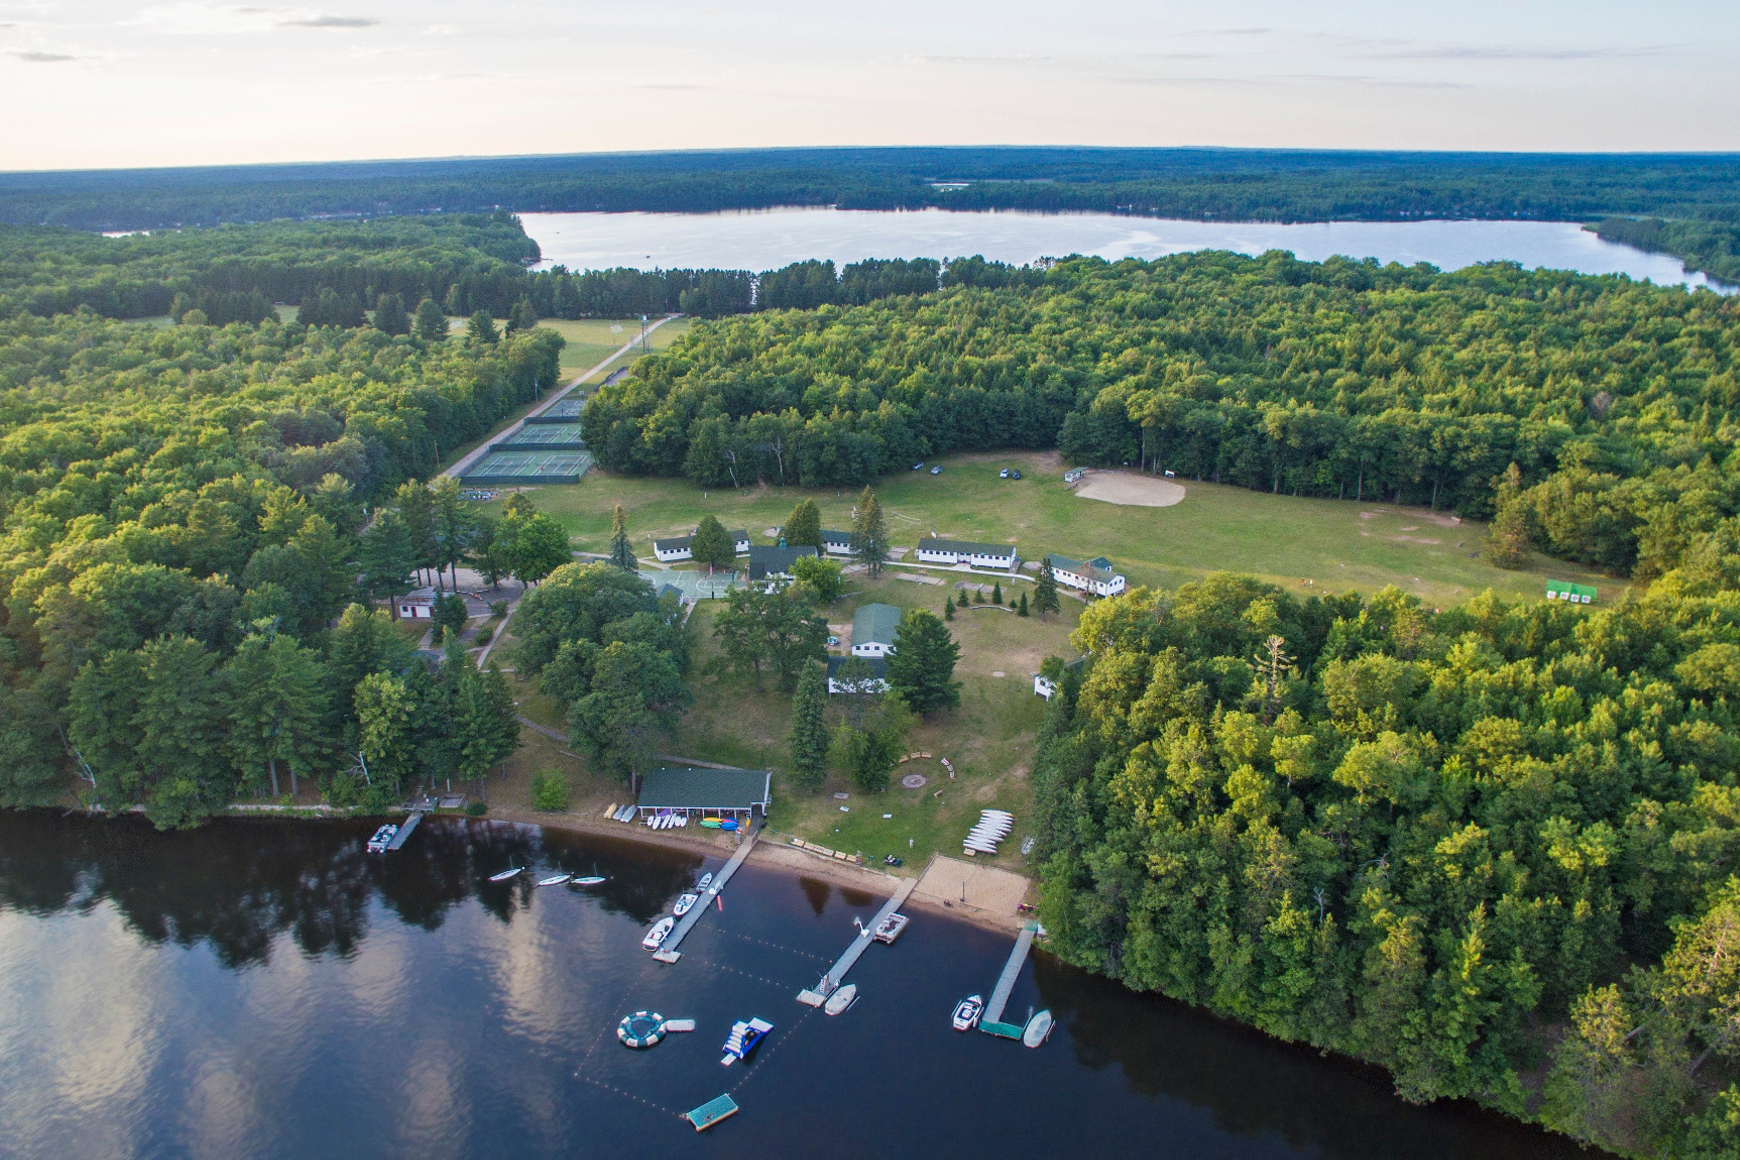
x: 766, y: 239
x: 267, y: 989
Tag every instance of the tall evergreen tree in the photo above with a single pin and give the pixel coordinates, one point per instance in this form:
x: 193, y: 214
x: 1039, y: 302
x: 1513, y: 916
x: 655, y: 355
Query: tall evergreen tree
x: 621, y: 551
x: 454, y: 525
x: 1045, y: 590
x: 390, y: 316
x: 522, y: 316
x: 417, y: 509
x: 278, y: 705
x: 869, y: 532
x: 481, y: 331
x: 809, y: 728
x: 1507, y: 541
x: 922, y: 666
x: 1021, y: 608
x: 430, y: 323
x: 385, y: 556
x: 949, y: 607
x: 804, y: 526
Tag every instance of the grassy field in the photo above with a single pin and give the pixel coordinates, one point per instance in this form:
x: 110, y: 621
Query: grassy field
x: 1335, y: 545
x: 591, y: 340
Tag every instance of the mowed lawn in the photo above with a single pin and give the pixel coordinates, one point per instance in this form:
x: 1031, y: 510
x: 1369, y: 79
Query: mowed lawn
x: 591, y: 340
x: 1332, y: 544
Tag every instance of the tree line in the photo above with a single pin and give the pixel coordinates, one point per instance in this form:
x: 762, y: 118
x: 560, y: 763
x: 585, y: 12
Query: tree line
x: 1338, y: 379
x: 1450, y: 843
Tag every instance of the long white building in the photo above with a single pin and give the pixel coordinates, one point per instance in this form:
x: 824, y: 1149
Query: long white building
x: 935, y: 551
x: 682, y: 547
x: 1093, y: 576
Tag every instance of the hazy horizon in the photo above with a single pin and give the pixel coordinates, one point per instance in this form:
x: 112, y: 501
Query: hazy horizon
x: 101, y: 84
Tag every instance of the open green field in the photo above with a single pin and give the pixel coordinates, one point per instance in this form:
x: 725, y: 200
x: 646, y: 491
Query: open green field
x: 1335, y: 545
x: 590, y: 340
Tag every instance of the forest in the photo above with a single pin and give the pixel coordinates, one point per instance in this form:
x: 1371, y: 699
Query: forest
x: 1429, y: 840
x: 195, y: 521
x: 1615, y: 400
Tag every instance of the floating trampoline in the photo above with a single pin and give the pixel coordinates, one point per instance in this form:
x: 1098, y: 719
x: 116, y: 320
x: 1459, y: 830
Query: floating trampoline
x: 642, y: 1029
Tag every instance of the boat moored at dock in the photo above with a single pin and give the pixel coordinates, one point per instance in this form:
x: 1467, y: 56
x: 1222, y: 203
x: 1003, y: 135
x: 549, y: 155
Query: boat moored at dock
x: 383, y: 838
x: 683, y: 904
x: 841, y: 999
x: 1038, y: 1029
x: 967, y: 1012
x: 889, y: 928
x: 660, y: 931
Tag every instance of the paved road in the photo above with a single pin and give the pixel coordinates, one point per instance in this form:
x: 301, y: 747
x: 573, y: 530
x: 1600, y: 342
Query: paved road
x: 482, y: 449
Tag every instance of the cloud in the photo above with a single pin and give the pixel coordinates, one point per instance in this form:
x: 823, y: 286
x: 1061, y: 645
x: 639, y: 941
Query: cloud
x: 1502, y: 52
x: 442, y: 30
x: 323, y: 21
x: 1272, y: 79
x: 43, y: 57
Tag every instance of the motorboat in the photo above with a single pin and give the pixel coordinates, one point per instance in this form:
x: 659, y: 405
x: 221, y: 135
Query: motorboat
x: 706, y: 881
x: 889, y: 928
x: 655, y: 938
x: 744, y: 1038
x: 841, y: 999
x: 382, y: 839
x: 1038, y: 1029
x: 554, y: 880
x: 684, y: 904
x: 968, y: 1011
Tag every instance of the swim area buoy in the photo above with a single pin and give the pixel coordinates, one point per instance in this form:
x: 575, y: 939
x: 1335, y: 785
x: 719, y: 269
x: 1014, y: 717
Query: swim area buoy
x: 642, y: 1029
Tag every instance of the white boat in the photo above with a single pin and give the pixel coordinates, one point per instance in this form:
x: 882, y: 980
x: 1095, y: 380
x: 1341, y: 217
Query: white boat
x: 706, y: 881
x: 841, y: 999
x: 661, y: 929
x: 511, y: 872
x: 889, y: 928
x: 382, y: 839
x: 1038, y: 1029
x: 682, y: 820
x: 684, y: 904
x: 589, y: 880
x: 968, y: 1011
x: 554, y: 880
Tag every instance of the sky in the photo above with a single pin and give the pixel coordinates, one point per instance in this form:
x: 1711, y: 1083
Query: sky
x: 99, y: 83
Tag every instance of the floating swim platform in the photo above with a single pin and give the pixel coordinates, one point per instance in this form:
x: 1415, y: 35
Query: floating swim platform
x: 641, y: 1030
x: 1001, y: 1030
x: 711, y: 1113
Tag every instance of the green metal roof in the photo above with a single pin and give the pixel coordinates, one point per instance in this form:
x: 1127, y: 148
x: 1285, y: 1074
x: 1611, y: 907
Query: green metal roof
x: 875, y: 622
x: 692, y: 788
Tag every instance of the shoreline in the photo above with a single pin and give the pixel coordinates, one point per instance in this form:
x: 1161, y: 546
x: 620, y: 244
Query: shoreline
x: 770, y: 853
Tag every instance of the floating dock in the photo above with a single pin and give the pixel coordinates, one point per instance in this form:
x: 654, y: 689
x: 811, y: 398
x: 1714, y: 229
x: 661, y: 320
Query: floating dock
x: 667, y: 953
x: 815, y: 996
x: 405, y: 830
x: 1006, y: 983
x: 711, y: 1113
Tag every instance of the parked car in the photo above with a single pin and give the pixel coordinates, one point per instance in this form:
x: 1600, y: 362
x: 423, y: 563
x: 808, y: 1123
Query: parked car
x: 937, y: 470
x: 1015, y: 473
x: 1004, y: 474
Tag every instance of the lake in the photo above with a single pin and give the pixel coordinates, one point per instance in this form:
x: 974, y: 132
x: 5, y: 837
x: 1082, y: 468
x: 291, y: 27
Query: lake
x: 766, y: 239
x: 267, y: 989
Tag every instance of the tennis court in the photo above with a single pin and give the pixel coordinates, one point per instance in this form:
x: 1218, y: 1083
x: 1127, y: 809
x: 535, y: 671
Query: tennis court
x: 561, y: 411
x: 530, y: 467
x: 549, y: 436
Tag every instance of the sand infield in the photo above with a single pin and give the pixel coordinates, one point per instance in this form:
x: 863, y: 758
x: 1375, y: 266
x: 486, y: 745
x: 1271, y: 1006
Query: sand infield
x: 1131, y: 490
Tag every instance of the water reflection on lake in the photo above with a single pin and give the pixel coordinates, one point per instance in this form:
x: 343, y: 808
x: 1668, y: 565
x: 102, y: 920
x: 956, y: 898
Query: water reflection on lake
x: 766, y: 239
x: 267, y: 989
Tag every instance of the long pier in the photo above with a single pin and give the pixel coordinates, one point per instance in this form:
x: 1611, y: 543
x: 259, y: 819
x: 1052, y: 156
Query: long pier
x: 1011, y: 972
x: 405, y: 830
x: 668, y: 953
x: 813, y: 996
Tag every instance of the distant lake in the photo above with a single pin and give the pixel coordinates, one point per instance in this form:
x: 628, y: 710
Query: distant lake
x: 766, y: 239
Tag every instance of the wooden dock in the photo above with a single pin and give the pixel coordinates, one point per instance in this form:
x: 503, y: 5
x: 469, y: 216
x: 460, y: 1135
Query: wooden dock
x: 410, y: 824
x: 1011, y: 972
x: 815, y: 996
x: 668, y: 952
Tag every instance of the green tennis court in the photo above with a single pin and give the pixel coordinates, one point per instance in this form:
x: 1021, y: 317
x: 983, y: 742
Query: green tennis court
x: 552, y: 436
x: 530, y: 467
x: 561, y: 411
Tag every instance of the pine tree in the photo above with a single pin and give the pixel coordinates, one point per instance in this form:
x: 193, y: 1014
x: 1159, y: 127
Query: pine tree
x: 869, y: 533
x: 804, y: 526
x: 979, y: 596
x: 922, y: 666
x: 430, y: 323
x: 278, y: 703
x: 417, y: 509
x: 1045, y: 590
x: 996, y: 592
x: 1021, y: 609
x: 481, y: 329
x: 522, y: 316
x: 809, y: 729
x: 390, y: 316
x: 386, y: 557
x: 948, y: 607
x: 1507, y: 541
x: 621, y: 551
